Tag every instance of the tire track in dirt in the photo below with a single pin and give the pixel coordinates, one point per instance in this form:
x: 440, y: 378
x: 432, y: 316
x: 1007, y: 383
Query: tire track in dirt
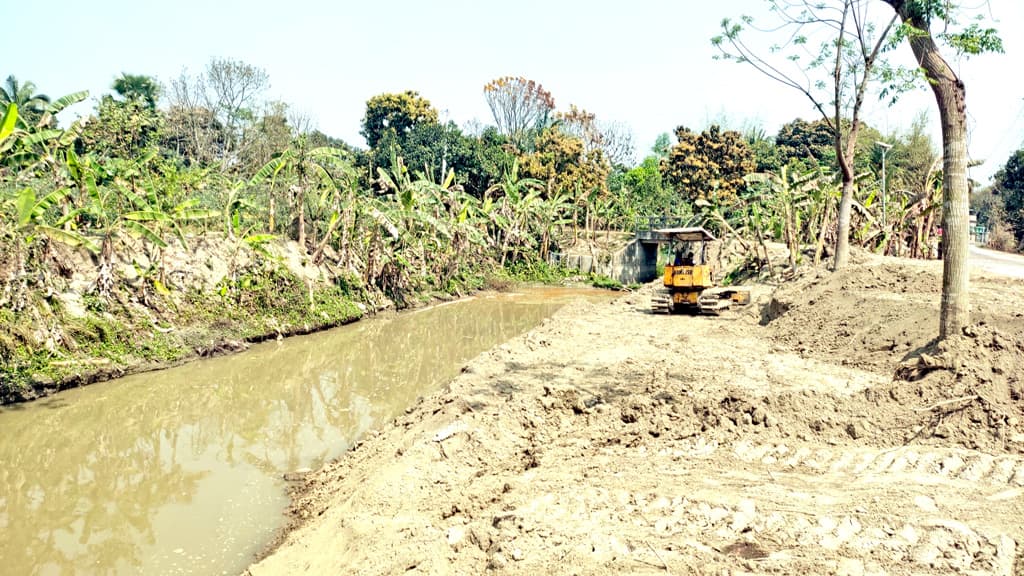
x: 912, y: 462
x: 701, y: 511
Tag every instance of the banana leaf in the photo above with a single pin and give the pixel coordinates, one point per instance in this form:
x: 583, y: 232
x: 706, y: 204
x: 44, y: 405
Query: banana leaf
x: 68, y: 237
x: 9, y: 122
x: 63, y: 102
x: 138, y: 229
x: 147, y: 216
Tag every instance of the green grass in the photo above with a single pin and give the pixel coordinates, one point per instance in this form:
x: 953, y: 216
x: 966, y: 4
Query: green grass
x: 604, y: 282
x: 538, y: 271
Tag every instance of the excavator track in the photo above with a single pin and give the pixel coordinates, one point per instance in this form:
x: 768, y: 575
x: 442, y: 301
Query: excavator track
x: 661, y: 302
x: 717, y: 300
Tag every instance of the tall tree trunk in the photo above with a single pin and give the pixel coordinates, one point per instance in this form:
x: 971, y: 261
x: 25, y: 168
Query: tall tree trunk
x: 842, y: 255
x: 955, y: 310
x: 844, y: 155
x: 950, y: 95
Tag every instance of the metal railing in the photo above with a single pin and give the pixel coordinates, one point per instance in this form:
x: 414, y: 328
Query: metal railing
x: 646, y: 225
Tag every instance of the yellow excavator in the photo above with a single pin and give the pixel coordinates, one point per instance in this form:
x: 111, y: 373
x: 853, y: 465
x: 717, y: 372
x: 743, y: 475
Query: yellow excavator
x: 689, y: 281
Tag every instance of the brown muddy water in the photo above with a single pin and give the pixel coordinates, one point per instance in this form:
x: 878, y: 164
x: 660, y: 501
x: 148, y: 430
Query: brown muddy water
x: 180, y: 471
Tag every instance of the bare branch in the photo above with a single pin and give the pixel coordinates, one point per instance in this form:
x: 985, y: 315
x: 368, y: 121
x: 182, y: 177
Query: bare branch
x: 518, y: 105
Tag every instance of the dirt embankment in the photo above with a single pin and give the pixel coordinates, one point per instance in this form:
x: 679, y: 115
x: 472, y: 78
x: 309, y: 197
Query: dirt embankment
x: 610, y: 440
x: 68, y: 319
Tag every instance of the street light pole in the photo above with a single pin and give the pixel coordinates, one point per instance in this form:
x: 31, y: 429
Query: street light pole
x: 885, y: 150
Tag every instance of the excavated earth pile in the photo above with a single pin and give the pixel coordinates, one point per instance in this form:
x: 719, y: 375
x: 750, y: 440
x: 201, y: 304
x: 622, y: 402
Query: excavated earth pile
x: 822, y: 433
x: 882, y: 316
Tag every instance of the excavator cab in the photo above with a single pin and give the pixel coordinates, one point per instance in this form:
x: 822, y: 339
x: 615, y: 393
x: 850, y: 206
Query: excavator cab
x: 689, y: 281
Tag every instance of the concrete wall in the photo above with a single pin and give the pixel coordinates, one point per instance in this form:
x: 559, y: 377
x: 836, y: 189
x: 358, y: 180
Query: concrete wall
x: 637, y: 262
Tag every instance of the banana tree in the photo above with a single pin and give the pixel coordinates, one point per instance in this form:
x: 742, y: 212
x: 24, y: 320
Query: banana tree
x: 789, y: 196
x: 305, y: 168
x: 553, y: 213
x: 8, y: 123
x: 30, y: 147
x: 32, y: 215
x: 518, y: 201
x: 115, y: 211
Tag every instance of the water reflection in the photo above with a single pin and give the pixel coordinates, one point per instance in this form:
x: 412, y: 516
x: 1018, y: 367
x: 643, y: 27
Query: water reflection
x: 179, y: 471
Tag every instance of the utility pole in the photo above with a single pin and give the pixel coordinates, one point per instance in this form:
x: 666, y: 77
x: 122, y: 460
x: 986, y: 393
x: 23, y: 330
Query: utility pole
x: 885, y: 150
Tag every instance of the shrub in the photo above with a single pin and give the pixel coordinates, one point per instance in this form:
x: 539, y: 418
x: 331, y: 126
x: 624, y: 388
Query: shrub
x: 1001, y: 238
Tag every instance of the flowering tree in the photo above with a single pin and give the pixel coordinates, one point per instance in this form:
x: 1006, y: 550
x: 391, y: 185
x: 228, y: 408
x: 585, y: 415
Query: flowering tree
x: 520, y: 107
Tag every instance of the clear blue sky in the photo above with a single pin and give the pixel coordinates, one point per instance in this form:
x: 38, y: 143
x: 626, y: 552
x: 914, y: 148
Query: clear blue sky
x: 646, y: 63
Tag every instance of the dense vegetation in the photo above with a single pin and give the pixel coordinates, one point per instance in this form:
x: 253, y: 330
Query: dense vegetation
x: 1000, y: 207
x: 427, y: 208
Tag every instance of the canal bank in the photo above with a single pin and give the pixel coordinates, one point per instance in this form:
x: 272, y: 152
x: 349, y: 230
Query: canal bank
x: 67, y: 320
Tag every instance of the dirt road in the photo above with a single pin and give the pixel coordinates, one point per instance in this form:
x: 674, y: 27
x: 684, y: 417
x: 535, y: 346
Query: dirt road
x: 610, y: 440
x: 995, y: 262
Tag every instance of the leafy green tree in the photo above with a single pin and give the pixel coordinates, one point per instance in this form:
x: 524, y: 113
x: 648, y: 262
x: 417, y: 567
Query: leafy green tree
x: 31, y: 105
x: 766, y: 154
x: 708, y: 166
x: 496, y: 155
x: 1010, y: 186
x: 806, y: 145
x: 645, y: 191
x: 435, y: 149
x: 318, y: 139
x: 913, y: 161
x: 396, y: 113
x: 138, y: 87
x: 121, y: 129
x: 662, y: 145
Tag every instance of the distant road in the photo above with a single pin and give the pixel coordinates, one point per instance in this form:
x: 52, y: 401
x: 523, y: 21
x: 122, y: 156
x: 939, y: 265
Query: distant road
x: 995, y: 262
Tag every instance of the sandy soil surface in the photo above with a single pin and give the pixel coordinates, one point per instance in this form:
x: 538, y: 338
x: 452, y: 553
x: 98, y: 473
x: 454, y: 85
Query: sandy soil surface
x: 818, y: 431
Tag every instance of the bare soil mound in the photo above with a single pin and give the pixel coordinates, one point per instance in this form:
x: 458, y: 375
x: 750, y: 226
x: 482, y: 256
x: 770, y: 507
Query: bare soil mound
x: 972, y: 386
x: 882, y: 316
x: 865, y: 316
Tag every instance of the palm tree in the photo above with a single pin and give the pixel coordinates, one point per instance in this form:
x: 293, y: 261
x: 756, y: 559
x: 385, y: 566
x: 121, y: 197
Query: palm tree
x: 138, y: 87
x: 31, y: 106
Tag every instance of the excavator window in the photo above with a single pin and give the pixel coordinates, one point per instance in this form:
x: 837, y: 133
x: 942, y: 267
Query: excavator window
x: 683, y: 255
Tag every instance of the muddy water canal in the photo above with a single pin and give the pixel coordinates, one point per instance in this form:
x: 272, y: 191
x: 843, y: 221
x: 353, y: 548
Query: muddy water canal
x: 181, y: 471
